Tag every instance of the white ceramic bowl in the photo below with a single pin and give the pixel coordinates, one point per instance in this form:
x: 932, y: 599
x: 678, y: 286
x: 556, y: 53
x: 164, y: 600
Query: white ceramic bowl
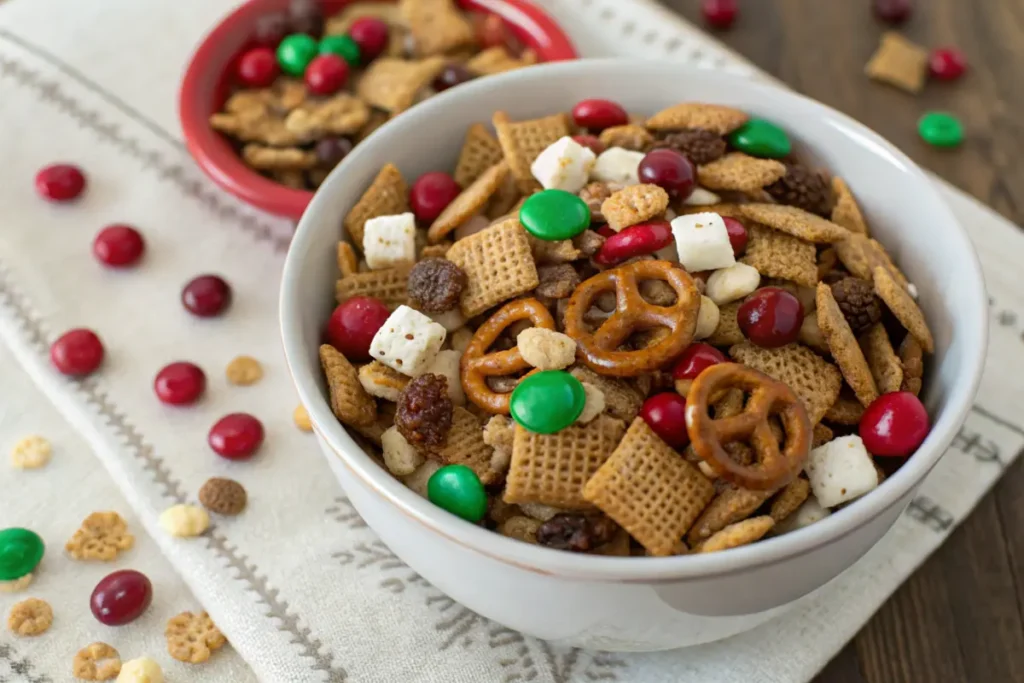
x: 640, y: 603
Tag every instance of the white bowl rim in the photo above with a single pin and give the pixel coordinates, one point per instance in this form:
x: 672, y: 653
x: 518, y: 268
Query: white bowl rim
x: 973, y: 323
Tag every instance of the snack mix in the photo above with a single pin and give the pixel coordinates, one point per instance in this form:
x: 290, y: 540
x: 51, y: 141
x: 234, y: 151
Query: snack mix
x: 626, y: 335
x: 311, y: 86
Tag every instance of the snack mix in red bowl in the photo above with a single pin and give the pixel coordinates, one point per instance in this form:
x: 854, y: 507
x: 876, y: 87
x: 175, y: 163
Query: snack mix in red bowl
x: 626, y: 334
x: 307, y: 80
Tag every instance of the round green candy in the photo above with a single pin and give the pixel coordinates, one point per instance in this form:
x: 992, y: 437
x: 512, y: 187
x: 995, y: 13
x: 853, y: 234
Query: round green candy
x: 547, y: 402
x: 554, y: 215
x: 457, y: 489
x: 940, y: 129
x: 295, y: 53
x: 20, y: 552
x: 760, y: 138
x: 343, y: 46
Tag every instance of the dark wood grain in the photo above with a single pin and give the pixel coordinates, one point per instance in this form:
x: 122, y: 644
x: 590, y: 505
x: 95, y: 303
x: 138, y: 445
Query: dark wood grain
x: 960, y: 617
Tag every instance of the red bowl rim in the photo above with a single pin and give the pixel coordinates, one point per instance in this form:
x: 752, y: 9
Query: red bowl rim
x: 222, y: 164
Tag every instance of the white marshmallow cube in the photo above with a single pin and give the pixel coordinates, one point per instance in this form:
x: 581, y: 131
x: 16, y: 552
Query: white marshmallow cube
x: 618, y: 165
x: 702, y: 242
x: 407, y: 342
x: 840, y: 471
x: 805, y: 515
x: 389, y: 241
x: 729, y: 284
x: 564, y: 165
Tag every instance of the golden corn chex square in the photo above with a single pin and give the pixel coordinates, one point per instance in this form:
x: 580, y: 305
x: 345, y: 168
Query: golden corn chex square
x: 498, y: 266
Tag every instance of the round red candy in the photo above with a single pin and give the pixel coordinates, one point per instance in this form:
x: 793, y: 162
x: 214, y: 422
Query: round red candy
x: 326, y: 74
x: 771, y: 317
x: 180, y: 383
x: 636, y: 240
x: 371, y: 35
x: 118, y: 245
x: 258, y: 68
x: 893, y: 11
x: 696, y: 358
x: 947, y: 64
x: 77, y: 352
x: 737, y: 235
x: 236, y: 436
x: 895, y: 424
x: 353, y: 324
x: 719, y: 13
x: 596, y: 115
x: 206, y: 296
x: 605, y: 231
x: 595, y: 145
x: 431, y: 194
x: 490, y: 31
x: 121, y: 597
x: 665, y: 414
x: 60, y: 182
x: 669, y: 170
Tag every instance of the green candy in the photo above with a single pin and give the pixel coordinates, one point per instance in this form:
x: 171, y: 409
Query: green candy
x: 457, y: 489
x: 554, y: 215
x: 547, y: 402
x: 20, y: 552
x: 295, y: 53
x: 343, y: 46
x: 940, y: 129
x: 760, y: 138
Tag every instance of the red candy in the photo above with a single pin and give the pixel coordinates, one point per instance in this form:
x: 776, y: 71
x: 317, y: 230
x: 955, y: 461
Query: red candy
x: 669, y: 170
x: 258, y: 68
x: 236, y: 436
x: 947, y: 63
x: 737, y: 235
x: 60, y: 182
x: 771, y: 317
x: 596, y: 115
x: 490, y: 31
x: 121, y: 597
x: 636, y: 240
x: 894, y: 425
x: 719, y: 13
x: 180, y: 383
x: 893, y: 11
x: 206, y: 296
x: 326, y: 74
x: 118, y: 245
x: 595, y: 145
x: 353, y: 324
x: 371, y: 35
x: 431, y: 193
x: 696, y: 358
x: 665, y: 414
x: 77, y: 352
x: 605, y: 231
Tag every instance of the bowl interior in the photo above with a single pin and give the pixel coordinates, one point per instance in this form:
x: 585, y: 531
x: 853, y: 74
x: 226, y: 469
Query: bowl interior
x: 207, y: 82
x: 903, y: 209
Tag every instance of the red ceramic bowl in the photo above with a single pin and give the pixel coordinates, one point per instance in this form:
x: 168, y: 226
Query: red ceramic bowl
x: 205, y: 87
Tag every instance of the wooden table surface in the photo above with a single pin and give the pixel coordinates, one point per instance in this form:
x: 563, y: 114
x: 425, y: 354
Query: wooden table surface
x: 960, y: 618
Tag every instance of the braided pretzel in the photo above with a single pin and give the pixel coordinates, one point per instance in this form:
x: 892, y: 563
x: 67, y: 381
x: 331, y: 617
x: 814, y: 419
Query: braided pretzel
x: 772, y: 467
x: 478, y: 365
x: 599, y: 349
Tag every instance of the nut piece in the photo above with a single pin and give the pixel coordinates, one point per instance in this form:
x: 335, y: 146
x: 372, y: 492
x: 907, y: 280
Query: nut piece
x: 96, y: 662
x: 100, y: 537
x: 30, y: 452
x: 141, y: 670
x: 400, y: 457
x: 223, y: 496
x: 857, y: 301
x: 301, y: 418
x: 244, y: 370
x: 435, y: 285
x: 184, y: 520
x: 192, y: 637
x: 595, y: 403
x: 424, y: 415
x: 576, y: 533
x: 30, y: 617
x: 546, y: 349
